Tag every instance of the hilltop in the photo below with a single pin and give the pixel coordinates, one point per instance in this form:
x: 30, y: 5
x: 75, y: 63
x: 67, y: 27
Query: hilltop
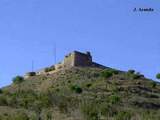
x: 81, y: 93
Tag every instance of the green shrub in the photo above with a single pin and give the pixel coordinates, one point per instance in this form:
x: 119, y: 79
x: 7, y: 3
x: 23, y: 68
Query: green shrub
x: 137, y: 75
x: 113, y: 71
x: 18, y: 79
x: 95, y: 74
x: 31, y: 73
x: 3, y: 101
x: 153, y: 84
x: 131, y: 71
x: 113, y: 99
x: 45, y: 100
x: 158, y: 76
x: 132, y: 74
x: 46, y: 114
x: 48, y: 69
x: 90, y: 110
x: 106, y: 73
x: 11, y: 101
x: 20, y: 115
x: 1, y: 91
x: 123, y: 115
x: 76, y: 88
x: 6, y: 92
x: 88, y: 85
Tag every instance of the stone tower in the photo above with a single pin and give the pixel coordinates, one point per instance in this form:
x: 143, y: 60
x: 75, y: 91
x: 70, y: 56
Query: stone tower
x: 75, y: 59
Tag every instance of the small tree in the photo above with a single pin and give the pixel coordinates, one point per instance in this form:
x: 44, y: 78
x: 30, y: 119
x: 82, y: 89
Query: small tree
x: 18, y: 79
x: 158, y: 76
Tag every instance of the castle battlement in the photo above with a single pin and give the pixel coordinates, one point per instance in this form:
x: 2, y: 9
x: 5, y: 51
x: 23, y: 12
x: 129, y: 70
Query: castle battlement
x: 73, y: 59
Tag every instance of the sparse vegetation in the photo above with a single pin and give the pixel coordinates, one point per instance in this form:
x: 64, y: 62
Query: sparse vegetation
x: 83, y: 94
x: 89, y: 110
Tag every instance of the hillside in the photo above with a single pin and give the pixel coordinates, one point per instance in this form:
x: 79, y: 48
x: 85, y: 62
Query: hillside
x: 82, y: 93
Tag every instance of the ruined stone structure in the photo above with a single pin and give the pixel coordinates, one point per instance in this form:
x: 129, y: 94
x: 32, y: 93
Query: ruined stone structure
x: 76, y: 58
x: 73, y: 59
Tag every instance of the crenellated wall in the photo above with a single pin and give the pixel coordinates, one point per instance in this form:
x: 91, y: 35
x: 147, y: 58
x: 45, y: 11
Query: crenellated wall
x: 82, y: 59
x: 77, y: 59
x: 71, y: 60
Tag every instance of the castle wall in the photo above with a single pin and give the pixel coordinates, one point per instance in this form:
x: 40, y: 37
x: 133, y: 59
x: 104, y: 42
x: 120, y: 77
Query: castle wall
x: 81, y: 59
x: 69, y: 60
x: 75, y: 59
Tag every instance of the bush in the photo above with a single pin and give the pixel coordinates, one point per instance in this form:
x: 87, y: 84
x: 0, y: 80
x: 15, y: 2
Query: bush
x: 131, y: 71
x: 88, y: 85
x: 3, y: 101
x: 1, y: 91
x: 11, y: 101
x: 109, y: 72
x: 48, y: 69
x: 113, y: 99
x: 76, y: 88
x: 123, y: 115
x: 158, y: 76
x: 18, y: 79
x: 90, y: 110
x: 31, y: 74
x: 45, y: 100
x: 153, y: 84
x: 137, y: 75
x: 114, y: 71
x: 20, y: 115
x: 106, y: 74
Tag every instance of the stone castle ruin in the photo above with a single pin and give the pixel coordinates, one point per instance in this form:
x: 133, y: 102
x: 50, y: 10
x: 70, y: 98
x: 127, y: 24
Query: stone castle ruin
x: 73, y: 59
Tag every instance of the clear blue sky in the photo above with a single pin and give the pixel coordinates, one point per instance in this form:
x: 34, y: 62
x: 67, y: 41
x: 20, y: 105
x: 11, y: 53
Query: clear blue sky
x: 116, y: 36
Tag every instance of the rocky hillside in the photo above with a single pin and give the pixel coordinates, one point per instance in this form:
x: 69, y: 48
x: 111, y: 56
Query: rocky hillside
x: 82, y: 94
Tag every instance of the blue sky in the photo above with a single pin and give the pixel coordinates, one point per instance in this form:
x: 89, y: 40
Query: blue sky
x: 116, y: 36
